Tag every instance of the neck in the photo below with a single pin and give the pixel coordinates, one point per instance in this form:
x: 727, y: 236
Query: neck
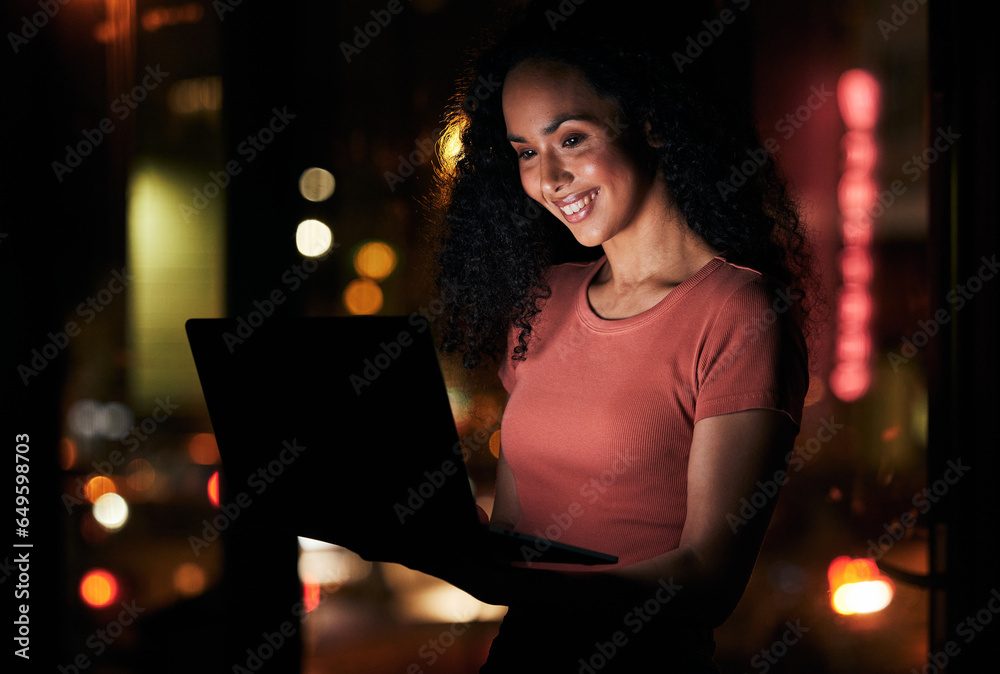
x: 661, y: 251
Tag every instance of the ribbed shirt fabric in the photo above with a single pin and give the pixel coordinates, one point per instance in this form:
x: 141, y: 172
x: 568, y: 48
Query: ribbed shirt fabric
x: 599, y: 422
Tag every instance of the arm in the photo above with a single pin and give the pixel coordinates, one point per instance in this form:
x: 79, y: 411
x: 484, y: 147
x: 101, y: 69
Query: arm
x: 730, y: 453
x: 711, y: 567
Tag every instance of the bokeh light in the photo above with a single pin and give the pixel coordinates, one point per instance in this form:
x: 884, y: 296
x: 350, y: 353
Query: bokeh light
x: 195, y: 95
x: 375, y: 260
x: 213, y: 489
x: 316, y: 184
x: 189, y: 579
x: 98, y: 588
x: 858, y: 98
x: 67, y: 453
x: 203, y: 449
x: 97, y: 487
x: 312, y: 592
x: 313, y: 238
x: 857, y: 586
x: 140, y: 475
x: 111, y: 511
x: 363, y: 297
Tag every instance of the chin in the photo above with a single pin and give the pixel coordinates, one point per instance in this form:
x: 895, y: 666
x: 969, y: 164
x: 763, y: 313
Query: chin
x: 590, y: 239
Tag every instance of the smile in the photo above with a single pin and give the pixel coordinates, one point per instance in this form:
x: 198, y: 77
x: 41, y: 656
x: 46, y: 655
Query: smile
x: 575, y: 207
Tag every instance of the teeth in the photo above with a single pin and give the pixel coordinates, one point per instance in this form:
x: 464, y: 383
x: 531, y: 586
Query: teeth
x: 577, y: 205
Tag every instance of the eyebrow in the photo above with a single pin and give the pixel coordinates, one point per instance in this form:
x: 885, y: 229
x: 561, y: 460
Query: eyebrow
x: 551, y: 127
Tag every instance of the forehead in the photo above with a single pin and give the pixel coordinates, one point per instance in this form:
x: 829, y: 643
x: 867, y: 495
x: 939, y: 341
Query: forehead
x: 536, y: 89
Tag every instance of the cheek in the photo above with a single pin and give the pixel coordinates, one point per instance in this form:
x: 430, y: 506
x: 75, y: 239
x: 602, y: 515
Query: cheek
x: 530, y: 184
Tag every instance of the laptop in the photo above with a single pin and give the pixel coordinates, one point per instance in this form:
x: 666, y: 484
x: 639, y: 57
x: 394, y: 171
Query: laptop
x: 340, y: 429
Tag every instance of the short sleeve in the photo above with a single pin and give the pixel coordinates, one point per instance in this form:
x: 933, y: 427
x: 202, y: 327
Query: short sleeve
x: 754, y: 355
x: 508, y: 369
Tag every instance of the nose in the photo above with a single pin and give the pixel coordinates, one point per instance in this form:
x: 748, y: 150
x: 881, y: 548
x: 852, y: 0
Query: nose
x: 554, y: 175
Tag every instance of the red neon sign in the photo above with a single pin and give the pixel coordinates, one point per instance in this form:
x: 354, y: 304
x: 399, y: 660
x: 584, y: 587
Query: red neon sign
x: 858, y: 98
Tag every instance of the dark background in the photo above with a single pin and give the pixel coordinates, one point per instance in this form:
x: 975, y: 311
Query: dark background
x: 60, y: 240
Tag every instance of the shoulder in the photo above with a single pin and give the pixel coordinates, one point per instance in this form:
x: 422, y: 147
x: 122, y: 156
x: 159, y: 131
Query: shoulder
x: 565, y: 280
x: 736, y: 289
x: 751, y: 311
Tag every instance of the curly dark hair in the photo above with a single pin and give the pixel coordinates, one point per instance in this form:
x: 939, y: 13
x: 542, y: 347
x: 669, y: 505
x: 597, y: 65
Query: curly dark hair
x: 496, y: 242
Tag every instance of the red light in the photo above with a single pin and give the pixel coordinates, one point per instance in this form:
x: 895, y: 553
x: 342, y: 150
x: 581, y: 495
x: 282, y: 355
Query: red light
x: 857, y: 195
x: 858, y: 97
x: 311, y: 595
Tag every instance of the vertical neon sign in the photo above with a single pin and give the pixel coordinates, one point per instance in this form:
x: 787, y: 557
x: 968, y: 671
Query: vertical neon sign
x: 858, y: 98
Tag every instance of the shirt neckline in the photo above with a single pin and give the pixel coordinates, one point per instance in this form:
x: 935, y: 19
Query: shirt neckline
x: 590, y: 318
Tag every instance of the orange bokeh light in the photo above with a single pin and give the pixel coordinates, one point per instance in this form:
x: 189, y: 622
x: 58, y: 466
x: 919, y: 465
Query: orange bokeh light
x: 98, y: 588
x: 67, y: 453
x: 203, y: 449
x: 99, y: 486
x: 213, y: 489
x: 363, y: 297
x: 857, y: 586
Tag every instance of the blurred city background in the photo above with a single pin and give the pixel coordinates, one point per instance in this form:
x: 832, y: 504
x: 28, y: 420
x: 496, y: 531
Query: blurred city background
x: 178, y: 159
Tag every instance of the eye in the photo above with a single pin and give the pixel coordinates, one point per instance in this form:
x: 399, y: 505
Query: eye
x: 524, y: 155
x: 574, y: 140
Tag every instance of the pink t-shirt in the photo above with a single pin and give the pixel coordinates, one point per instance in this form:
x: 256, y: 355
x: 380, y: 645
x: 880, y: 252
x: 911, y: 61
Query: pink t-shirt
x: 598, y: 426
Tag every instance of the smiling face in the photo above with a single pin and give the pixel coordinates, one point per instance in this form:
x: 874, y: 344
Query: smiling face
x: 570, y: 154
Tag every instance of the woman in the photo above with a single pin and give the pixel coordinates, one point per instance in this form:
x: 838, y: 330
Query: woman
x: 655, y: 380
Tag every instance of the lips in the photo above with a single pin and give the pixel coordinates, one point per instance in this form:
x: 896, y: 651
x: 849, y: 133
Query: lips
x: 577, y: 206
